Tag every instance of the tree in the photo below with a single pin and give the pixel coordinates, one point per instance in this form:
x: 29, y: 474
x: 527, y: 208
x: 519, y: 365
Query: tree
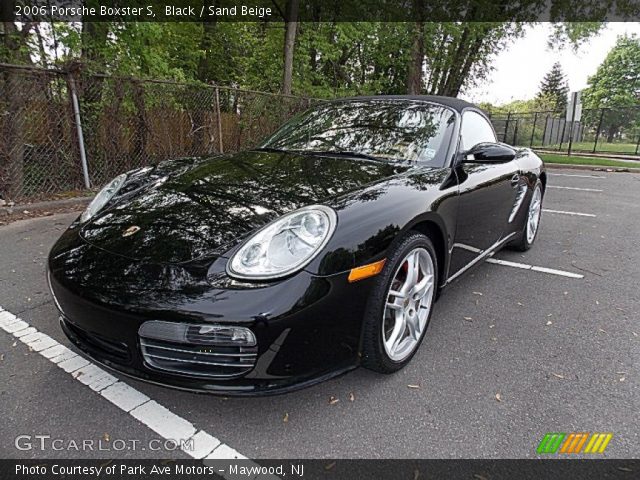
x: 291, y: 25
x: 616, y: 87
x: 554, y: 88
x: 416, y: 60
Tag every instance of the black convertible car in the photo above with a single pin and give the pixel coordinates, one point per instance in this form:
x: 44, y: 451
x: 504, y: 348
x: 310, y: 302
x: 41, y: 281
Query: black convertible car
x: 321, y: 250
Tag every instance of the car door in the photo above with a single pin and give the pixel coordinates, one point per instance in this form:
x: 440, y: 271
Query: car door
x: 487, y: 193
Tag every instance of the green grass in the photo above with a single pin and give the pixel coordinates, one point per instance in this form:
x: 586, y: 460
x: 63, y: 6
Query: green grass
x: 603, y: 147
x: 595, y: 161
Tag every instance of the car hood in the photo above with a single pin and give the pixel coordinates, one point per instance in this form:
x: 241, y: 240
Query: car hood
x: 195, y: 207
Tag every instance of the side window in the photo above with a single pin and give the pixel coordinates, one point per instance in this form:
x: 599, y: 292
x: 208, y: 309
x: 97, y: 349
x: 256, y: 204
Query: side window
x: 475, y: 130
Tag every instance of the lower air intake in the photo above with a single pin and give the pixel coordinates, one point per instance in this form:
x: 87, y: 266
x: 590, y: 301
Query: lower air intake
x: 198, y: 350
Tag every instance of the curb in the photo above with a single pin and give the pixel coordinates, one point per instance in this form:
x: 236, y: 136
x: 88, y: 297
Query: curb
x: 44, y: 206
x: 595, y: 168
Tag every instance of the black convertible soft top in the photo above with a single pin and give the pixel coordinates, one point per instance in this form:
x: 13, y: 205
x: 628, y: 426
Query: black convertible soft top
x: 456, y: 103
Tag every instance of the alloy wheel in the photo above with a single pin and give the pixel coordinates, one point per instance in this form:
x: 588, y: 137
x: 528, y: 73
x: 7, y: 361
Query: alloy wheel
x: 408, y: 304
x: 533, y: 218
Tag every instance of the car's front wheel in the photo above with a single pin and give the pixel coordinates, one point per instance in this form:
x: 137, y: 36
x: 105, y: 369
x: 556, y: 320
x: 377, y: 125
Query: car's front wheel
x: 400, y: 304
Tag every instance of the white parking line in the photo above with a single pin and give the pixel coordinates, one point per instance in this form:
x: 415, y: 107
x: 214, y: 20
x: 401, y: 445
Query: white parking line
x: 579, y: 176
x: 153, y: 415
x: 575, y: 188
x: 569, y: 213
x: 525, y: 266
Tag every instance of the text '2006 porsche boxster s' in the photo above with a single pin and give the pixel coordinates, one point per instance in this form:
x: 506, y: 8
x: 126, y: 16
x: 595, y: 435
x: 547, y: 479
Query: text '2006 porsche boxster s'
x: 323, y: 249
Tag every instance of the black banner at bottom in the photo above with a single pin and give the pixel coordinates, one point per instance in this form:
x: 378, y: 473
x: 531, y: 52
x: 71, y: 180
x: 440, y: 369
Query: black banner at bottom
x: 319, y: 469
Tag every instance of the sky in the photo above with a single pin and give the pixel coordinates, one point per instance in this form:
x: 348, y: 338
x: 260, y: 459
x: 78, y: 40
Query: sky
x: 519, y: 68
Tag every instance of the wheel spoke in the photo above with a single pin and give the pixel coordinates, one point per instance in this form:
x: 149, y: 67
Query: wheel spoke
x: 413, y: 267
x: 394, y: 306
x: 413, y: 324
x: 398, y: 330
x: 423, y: 286
x: 396, y: 294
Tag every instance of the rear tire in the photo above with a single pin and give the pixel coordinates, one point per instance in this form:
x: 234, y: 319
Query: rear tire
x: 531, y: 222
x: 400, y: 305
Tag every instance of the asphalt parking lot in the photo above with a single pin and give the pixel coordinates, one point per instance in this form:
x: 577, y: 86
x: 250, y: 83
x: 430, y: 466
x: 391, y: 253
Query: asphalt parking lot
x: 511, y: 354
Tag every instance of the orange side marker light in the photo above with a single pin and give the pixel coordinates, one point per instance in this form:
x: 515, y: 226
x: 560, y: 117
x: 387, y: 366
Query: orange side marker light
x: 366, y: 271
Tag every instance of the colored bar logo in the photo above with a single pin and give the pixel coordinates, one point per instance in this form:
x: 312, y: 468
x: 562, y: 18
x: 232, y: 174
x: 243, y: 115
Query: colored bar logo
x: 574, y: 443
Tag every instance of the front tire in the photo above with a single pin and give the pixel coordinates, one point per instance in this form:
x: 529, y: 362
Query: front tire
x: 400, y: 305
x: 532, y: 221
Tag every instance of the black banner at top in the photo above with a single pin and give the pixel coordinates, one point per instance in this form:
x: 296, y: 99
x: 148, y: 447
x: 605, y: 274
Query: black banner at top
x: 319, y: 10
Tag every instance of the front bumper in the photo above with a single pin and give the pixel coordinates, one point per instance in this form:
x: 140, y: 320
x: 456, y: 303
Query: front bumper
x: 307, y: 328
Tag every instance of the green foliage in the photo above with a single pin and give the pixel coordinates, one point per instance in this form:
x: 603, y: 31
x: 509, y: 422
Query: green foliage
x: 554, y: 89
x: 330, y: 58
x: 615, y: 85
x: 574, y: 34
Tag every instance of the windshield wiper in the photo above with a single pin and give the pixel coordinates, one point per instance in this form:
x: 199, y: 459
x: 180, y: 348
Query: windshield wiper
x: 340, y: 153
x: 270, y: 149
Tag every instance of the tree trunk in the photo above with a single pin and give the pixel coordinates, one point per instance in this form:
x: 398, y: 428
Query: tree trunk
x: 291, y: 25
x: 414, y: 72
x: 140, y: 139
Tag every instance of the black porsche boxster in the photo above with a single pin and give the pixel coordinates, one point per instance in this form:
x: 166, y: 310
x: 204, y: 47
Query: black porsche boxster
x: 323, y: 249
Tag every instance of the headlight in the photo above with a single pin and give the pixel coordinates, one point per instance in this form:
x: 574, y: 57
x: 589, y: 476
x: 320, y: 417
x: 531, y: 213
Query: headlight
x: 285, y: 245
x: 103, y: 196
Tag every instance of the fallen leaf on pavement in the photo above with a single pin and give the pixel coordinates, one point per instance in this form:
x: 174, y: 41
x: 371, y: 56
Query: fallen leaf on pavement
x: 413, y: 386
x: 333, y: 400
x: 14, y: 344
x: 498, y: 397
x: 352, y: 397
x: 285, y: 419
x: 557, y: 375
x: 477, y: 293
x: 468, y: 319
x: 549, y: 322
x: 106, y: 436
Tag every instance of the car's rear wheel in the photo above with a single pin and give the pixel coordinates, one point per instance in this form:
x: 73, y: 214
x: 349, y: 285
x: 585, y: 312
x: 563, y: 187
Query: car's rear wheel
x: 400, y: 305
x: 532, y: 221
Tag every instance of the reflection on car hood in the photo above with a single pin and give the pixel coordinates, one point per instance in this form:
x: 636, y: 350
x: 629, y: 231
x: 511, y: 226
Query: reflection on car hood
x: 201, y: 206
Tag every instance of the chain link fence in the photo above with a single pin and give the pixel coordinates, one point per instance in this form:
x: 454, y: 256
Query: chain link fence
x: 125, y: 123
x: 614, y: 131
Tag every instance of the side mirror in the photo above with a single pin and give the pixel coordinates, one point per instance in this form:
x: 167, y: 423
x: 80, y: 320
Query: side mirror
x: 489, y: 153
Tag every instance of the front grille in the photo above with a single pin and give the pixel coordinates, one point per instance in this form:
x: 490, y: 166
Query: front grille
x: 97, y: 344
x: 198, y: 360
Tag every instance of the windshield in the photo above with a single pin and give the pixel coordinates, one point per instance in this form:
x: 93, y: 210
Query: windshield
x: 393, y: 130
